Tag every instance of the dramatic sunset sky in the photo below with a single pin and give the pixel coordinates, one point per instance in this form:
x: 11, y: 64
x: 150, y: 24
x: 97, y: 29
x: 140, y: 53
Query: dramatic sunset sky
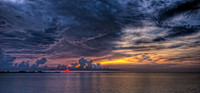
x: 135, y: 35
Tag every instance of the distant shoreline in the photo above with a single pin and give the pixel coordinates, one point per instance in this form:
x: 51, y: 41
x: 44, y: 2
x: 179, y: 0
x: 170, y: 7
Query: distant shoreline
x: 62, y: 71
x: 81, y: 71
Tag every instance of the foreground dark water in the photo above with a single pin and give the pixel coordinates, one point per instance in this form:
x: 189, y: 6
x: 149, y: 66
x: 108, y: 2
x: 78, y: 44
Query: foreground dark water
x: 99, y: 83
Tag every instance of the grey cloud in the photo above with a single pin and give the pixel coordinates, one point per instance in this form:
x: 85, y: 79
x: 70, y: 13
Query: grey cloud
x: 6, y: 61
x: 41, y: 61
x: 159, y: 39
x: 143, y: 48
x: 22, y: 66
x: 36, y: 66
x: 84, y: 64
x: 176, y: 45
x: 146, y: 57
x: 61, y: 67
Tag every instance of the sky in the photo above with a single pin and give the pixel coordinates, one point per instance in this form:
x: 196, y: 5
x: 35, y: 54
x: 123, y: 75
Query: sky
x: 134, y: 35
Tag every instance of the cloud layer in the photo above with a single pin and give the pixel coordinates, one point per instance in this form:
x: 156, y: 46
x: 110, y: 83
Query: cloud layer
x: 101, y: 30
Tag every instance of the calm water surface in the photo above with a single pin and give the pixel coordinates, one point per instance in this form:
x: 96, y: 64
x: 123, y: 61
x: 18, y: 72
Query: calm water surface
x: 99, y: 83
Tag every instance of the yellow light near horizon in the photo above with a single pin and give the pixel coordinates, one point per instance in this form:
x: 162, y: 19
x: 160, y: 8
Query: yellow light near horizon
x: 128, y: 60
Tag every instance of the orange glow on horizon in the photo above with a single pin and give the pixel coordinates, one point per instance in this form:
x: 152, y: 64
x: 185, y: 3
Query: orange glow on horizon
x: 127, y: 60
x: 68, y: 71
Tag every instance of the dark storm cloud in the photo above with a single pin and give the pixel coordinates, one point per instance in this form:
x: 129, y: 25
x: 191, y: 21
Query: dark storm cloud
x: 181, y: 31
x: 180, y: 7
x: 74, y: 28
x: 29, y: 40
x: 96, y: 25
x: 93, y: 24
x: 3, y: 23
x: 158, y: 39
x: 162, y: 14
x: 88, y: 21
